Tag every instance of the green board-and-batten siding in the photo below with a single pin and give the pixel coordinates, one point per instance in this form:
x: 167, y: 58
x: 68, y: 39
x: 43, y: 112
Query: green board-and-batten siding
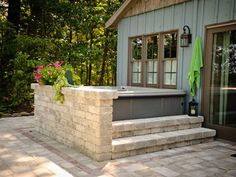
x: 196, y: 14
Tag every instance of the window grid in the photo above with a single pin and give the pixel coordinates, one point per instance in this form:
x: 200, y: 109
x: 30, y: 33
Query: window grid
x: 153, y: 60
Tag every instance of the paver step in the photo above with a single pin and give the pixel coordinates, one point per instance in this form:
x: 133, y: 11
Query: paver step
x: 135, y: 127
x: 128, y: 146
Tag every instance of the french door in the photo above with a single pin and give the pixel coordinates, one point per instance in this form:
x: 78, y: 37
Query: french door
x: 219, y: 96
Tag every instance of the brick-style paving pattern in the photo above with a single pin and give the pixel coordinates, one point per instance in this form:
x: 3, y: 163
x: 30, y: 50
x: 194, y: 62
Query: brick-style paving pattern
x: 26, y: 153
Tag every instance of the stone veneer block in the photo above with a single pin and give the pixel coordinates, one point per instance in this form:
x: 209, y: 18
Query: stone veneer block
x: 83, y: 121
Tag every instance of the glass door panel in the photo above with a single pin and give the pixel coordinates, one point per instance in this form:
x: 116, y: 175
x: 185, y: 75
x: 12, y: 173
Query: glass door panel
x: 223, y: 79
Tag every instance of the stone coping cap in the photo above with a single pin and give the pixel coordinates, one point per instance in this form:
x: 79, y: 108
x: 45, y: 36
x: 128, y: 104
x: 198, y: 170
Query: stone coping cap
x: 78, y: 88
x: 98, y: 91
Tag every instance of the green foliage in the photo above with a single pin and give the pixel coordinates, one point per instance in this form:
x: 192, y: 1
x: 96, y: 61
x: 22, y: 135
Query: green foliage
x: 51, y: 30
x: 57, y: 86
x: 22, y: 77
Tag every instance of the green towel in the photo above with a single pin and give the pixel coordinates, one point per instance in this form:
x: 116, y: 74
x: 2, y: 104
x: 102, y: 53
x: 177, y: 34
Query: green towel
x: 196, y: 64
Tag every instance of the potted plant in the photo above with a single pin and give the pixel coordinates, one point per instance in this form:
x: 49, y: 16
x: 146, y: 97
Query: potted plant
x: 57, y: 75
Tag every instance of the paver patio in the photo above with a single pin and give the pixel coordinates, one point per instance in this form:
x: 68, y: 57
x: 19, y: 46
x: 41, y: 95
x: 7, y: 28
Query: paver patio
x: 24, y: 153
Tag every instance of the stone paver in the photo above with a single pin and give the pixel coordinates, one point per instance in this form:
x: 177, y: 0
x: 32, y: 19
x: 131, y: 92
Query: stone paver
x: 26, y: 153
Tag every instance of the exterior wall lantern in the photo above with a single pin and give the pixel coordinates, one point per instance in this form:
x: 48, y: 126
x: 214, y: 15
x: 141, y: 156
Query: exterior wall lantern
x: 193, y: 108
x: 185, y: 38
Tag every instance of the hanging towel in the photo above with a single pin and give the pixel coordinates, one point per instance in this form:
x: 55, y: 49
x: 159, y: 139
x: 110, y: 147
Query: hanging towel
x: 196, y: 64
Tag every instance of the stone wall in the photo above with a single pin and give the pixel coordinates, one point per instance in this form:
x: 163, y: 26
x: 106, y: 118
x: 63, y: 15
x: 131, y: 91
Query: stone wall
x: 83, y: 121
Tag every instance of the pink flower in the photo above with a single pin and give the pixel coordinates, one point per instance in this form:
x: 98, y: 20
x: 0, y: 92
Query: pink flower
x: 37, y: 76
x: 58, y: 64
x: 39, y: 67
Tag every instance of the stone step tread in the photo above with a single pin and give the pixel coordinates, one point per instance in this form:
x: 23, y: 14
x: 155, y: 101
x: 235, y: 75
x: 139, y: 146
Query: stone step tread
x: 138, y: 124
x: 138, y: 142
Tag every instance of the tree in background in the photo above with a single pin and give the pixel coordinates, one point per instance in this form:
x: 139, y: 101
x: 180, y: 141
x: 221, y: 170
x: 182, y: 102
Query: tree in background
x: 39, y: 32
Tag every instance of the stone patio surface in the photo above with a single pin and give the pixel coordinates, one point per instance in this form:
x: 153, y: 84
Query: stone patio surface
x: 26, y: 153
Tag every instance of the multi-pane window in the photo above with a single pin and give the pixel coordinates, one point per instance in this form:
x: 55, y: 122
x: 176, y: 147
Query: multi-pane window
x: 136, y: 60
x: 151, y: 59
x: 152, y: 54
x: 170, y: 52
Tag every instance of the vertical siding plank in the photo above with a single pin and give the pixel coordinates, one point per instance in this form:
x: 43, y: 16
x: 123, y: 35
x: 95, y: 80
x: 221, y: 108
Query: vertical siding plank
x: 234, y: 10
x: 189, y: 14
x: 224, y: 13
x: 133, y: 25
x: 141, y: 24
x: 172, y: 16
x: 178, y: 16
x: 150, y: 22
x: 202, y: 19
x: 195, y: 18
x: 124, y: 58
x: 167, y: 22
x: 188, y: 18
x: 216, y: 10
x: 158, y: 19
x: 119, y: 53
x: 210, y: 13
x: 181, y: 52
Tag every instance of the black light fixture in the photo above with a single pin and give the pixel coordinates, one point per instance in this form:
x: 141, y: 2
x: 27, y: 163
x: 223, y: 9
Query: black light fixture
x: 185, y: 38
x: 193, y: 108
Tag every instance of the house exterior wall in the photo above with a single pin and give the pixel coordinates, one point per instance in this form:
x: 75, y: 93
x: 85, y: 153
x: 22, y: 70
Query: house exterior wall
x: 197, y: 14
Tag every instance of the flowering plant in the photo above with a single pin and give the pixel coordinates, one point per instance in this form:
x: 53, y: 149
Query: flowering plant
x: 47, y: 75
x: 57, y: 75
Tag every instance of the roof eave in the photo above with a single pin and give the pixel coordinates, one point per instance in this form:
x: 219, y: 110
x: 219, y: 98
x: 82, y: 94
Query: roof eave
x: 115, y: 18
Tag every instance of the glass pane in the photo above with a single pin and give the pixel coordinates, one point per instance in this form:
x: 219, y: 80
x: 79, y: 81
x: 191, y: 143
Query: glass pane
x: 152, y: 78
x: 223, y: 79
x: 136, y: 78
x: 137, y: 48
x: 150, y: 66
x: 174, y: 67
x: 152, y: 72
x: 167, y: 66
x: 155, y: 66
x: 137, y: 66
x: 170, y: 45
x: 167, y: 79
x: 173, y: 79
x: 152, y: 47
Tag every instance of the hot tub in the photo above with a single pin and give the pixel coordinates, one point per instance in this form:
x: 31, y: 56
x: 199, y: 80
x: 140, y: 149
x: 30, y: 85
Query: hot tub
x: 140, y: 102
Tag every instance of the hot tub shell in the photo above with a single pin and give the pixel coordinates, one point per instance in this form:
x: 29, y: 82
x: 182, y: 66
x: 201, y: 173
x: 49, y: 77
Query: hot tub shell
x: 139, y: 102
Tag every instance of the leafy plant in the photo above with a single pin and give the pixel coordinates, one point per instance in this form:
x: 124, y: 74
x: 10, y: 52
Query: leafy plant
x: 55, y: 74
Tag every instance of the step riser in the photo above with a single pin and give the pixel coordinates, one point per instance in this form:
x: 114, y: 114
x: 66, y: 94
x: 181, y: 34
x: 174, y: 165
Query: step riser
x: 138, y: 127
x: 124, y: 133
x: 134, y: 137
x: 116, y: 155
x: 133, y: 143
